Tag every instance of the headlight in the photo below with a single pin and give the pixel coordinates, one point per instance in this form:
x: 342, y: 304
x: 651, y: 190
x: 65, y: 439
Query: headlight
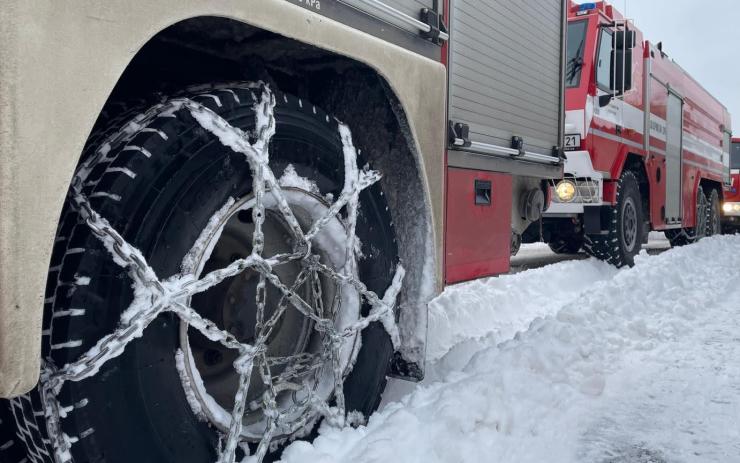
x: 565, y: 191
x: 731, y: 207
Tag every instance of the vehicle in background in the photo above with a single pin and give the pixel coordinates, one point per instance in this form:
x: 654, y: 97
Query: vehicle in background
x: 731, y: 203
x: 648, y: 146
x: 236, y: 212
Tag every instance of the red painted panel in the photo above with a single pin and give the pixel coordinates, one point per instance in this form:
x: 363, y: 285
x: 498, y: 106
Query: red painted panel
x: 478, y: 237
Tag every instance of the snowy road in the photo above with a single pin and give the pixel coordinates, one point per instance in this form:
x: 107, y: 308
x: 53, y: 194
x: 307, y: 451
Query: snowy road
x: 536, y: 255
x: 571, y: 362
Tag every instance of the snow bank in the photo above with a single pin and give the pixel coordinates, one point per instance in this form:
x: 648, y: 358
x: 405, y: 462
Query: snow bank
x: 642, y: 366
x: 502, y: 306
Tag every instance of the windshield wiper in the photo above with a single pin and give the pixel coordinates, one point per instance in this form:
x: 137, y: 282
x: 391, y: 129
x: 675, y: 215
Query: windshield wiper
x: 574, y: 64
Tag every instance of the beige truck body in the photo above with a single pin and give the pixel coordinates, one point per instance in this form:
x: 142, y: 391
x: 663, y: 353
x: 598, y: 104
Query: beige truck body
x: 59, y: 62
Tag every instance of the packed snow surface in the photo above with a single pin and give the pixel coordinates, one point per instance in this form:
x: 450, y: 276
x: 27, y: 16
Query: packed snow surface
x: 573, y: 362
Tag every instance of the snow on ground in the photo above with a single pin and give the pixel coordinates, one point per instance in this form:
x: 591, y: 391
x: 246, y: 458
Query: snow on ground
x: 572, y: 362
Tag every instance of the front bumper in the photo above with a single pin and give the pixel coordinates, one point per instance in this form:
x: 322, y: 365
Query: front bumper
x: 588, y: 186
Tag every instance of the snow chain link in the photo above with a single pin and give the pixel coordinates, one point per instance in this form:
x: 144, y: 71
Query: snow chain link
x: 153, y: 296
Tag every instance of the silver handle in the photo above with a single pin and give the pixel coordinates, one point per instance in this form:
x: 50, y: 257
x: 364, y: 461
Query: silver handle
x: 485, y: 148
x: 392, y: 16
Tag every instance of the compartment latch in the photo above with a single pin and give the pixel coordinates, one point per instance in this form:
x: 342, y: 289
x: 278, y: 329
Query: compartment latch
x: 458, y: 134
x: 482, y: 192
x: 436, y: 24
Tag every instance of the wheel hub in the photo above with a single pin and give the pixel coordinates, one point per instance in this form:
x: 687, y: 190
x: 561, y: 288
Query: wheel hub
x: 629, y: 225
x: 232, y: 306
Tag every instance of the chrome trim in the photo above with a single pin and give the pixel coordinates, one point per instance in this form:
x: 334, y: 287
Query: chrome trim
x: 647, y: 72
x: 392, y: 16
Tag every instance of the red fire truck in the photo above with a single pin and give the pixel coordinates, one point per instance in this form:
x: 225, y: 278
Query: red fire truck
x: 648, y: 145
x: 222, y: 222
x: 731, y: 203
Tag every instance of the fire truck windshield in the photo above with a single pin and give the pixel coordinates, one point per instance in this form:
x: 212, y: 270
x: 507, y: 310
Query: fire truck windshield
x: 735, y: 156
x: 574, y: 53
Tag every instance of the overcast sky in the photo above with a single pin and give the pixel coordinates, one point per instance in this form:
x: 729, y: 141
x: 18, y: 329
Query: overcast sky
x: 701, y: 36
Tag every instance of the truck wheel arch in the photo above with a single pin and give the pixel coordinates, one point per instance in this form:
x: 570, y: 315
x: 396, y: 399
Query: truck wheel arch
x: 407, y: 182
x: 628, y: 160
x: 358, y: 94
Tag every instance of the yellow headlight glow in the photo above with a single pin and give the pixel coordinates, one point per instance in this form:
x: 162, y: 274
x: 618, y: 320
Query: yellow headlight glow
x: 565, y: 191
x: 731, y: 207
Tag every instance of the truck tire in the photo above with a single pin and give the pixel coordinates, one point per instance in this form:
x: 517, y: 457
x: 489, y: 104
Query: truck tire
x: 684, y: 236
x: 714, y: 214
x: 12, y: 449
x: 566, y: 245
x: 623, y: 238
x: 166, y: 181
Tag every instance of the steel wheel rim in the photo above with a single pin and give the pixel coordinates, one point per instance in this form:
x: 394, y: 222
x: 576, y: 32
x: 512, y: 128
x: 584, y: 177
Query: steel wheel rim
x: 629, y: 224
x: 343, y: 308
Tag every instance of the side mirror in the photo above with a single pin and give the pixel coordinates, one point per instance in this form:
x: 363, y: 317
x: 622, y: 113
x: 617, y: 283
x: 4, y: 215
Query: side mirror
x: 620, y: 58
x: 625, y: 39
x: 605, y: 99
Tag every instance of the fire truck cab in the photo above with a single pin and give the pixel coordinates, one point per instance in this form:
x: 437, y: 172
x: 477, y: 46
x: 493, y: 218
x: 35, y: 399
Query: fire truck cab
x: 731, y: 203
x: 648, y: 145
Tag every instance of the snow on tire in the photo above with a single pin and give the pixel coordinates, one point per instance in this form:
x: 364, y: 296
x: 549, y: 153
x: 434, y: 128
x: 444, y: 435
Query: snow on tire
x: 623, y: 239
x: 714, y: 214
x: 209, y: 296
x: 684, y: 236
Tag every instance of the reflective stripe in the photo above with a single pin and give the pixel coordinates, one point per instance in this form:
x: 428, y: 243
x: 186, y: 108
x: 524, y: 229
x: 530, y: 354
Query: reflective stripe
x: 704, y: 167
x: 617, y: 138
x: 631, y: 117
x: 702, y: 148
x: 609, y: 136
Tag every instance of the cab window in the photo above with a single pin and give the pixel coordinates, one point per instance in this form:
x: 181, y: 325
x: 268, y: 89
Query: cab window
x: 574, y: 52
x: 603, y: 60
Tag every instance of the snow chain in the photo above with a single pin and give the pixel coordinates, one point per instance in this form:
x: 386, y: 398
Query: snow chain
x: 153, y: 296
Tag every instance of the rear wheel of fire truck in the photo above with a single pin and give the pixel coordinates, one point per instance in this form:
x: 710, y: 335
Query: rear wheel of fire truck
x: 622, y: 240
x: 684, y: 236
x: 567, y: 244
x: 176, y: 183
x: 714, y: 214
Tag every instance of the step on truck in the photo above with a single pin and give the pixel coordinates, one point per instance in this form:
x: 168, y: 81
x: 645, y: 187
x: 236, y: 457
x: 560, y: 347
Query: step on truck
x: 222, y: 222
x: 731, y: 203
x: 647, y: 146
